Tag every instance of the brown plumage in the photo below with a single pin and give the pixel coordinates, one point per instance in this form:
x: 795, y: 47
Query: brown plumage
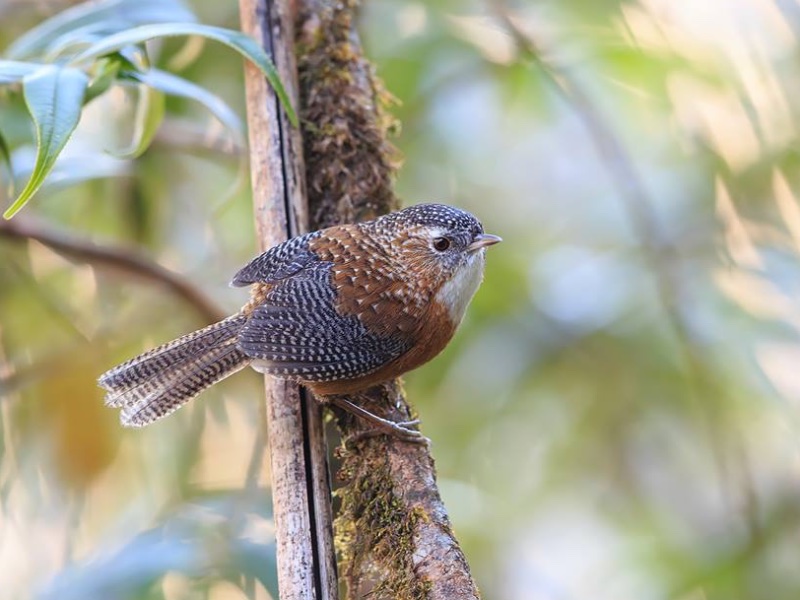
x: 338, y: 310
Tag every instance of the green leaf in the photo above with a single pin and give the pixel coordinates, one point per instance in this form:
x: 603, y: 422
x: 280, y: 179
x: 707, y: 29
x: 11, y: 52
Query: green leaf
x: 149, y: 114
x: 106, y: 71
x: 103, y: 76
x: 177, y: 86
x: 5, y: 160
x: 97, y: 18
x: 73, y: 42
x: 54, y: 97
x: 79, y: 166
x: 243, y: 44
x: 12, y: 71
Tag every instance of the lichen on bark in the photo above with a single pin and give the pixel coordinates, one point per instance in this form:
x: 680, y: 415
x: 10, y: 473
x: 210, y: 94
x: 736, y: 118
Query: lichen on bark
x: 375, y: 528
x: 349, y: 161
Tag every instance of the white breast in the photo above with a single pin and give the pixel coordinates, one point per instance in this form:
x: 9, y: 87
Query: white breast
x: 459, y: 290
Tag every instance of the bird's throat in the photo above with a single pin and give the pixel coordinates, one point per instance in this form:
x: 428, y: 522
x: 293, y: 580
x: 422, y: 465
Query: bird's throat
x: 456, y: 293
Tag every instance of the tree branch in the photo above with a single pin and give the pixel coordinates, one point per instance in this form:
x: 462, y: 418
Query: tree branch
x: 393, y: 532
x: 122, y: 260
x: 298, y: 453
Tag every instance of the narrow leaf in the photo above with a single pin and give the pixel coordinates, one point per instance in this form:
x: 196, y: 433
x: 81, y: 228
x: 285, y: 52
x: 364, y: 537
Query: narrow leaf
x: 149, y: 114
x: 72, y: 42
x: 104, y: 74
x: 12, y: 71
x: 104, y: 17
x: 177, y: 86
x: 243, y: 44
x: 80, y: 165
x: 54, y: 97
x: 5, y: 160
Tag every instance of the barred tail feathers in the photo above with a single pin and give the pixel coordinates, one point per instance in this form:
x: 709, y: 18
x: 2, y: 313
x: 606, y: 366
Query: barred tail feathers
x: 162, y: 380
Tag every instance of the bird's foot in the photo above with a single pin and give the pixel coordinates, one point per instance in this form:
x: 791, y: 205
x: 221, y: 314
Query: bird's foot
x: 402, y: 430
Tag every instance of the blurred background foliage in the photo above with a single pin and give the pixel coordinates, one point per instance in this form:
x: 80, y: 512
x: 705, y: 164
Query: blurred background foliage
x: 618, y: 417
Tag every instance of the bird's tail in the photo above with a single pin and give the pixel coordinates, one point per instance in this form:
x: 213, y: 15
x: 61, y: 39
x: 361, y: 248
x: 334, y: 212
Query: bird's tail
x: 159, y: 382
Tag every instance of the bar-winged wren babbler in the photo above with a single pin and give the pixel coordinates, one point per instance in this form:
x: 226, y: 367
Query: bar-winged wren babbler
x: 338, y: 310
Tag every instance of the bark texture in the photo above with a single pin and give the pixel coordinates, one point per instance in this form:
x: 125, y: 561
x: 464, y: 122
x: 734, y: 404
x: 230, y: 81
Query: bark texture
x: 393, y: 533
x: 298, y: 453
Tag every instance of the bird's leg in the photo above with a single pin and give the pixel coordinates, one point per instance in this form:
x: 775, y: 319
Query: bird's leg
x: 402, y: 429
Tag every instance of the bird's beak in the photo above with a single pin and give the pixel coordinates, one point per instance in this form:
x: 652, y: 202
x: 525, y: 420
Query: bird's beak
x: 482, y: 240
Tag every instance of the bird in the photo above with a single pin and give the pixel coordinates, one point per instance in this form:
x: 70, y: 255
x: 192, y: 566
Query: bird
x: 338, y: 310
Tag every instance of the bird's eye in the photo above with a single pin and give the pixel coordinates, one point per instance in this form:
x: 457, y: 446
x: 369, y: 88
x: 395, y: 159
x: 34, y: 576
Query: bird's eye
x: 441, y: 244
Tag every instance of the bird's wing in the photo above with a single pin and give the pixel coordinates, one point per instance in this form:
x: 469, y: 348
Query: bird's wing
x: 297, y: 332
x: 279, y: 262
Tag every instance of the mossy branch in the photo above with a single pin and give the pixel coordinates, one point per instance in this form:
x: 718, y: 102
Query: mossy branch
x: 394, y: 537
x: 300, y: 483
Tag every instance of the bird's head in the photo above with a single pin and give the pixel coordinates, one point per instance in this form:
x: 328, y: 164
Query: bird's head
x: 443, y: 247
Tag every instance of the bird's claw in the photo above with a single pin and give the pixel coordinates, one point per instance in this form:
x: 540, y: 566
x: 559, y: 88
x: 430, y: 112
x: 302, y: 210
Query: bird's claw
x: 399, y: 429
